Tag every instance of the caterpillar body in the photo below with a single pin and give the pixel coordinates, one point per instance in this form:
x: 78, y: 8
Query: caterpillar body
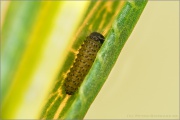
x: 83, y: 62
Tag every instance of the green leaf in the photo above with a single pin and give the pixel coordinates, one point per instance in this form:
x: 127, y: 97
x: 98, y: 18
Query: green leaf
x: 115, y: 20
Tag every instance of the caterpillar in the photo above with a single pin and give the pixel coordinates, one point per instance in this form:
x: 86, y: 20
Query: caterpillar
x: 83, y: 62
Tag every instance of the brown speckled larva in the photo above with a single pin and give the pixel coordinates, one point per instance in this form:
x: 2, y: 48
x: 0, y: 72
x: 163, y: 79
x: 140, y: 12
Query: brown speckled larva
x: 83, y: 62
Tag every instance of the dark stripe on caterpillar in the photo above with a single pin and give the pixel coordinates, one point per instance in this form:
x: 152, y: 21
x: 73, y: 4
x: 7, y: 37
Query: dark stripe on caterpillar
x: 83, y: 62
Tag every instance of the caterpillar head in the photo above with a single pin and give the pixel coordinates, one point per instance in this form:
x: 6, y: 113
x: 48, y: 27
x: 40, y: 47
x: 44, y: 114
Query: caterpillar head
x: 97, y: 36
